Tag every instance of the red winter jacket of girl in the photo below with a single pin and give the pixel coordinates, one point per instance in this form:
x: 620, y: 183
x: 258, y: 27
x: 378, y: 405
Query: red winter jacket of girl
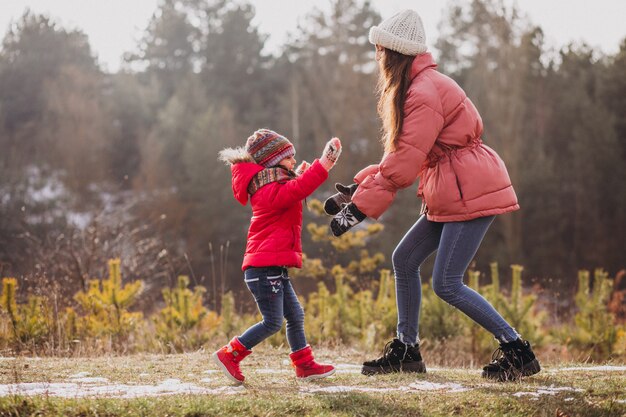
x: 275, y: 233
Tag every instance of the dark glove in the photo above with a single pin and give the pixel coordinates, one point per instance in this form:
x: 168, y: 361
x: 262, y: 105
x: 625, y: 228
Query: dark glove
x: 348, y: 217
x: 335, y: 202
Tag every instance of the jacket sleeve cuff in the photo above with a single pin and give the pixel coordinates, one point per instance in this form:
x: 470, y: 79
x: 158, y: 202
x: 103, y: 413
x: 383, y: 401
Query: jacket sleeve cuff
x: 365, y: 172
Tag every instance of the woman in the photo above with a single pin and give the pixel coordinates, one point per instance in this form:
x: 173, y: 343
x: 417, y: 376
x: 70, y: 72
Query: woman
x: 432, y: 131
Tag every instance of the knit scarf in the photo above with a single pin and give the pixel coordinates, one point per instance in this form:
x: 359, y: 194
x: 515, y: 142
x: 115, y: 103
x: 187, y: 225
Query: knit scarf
x: 268, y: 176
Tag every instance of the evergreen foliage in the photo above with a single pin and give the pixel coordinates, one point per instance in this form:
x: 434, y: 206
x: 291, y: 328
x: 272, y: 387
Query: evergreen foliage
x: 105, y: 306
x: 26, y: 325
x: 338, y: 313
x: 184, y: 322
x: 595, y: 332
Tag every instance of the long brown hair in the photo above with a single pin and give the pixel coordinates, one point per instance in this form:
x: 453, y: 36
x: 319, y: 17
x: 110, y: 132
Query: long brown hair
x: 393, y: 83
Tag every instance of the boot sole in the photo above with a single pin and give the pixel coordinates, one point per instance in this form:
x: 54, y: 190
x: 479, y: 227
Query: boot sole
x: 529, y: 369
x: 412, y: 367
x: 317, y: 376
x: 222, y: 367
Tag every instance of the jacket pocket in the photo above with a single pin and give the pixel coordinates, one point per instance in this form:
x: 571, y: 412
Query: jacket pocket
x: 457, y: 181
x: 441, y: 190
x: 458, y: 185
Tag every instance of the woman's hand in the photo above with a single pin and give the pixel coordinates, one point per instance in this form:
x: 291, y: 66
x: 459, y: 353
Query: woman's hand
x: 335, y: 202
x: 347, y: 218
x: 331, y: 153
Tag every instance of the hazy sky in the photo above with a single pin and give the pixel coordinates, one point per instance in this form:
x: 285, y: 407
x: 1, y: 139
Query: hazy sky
x: 114, y: 26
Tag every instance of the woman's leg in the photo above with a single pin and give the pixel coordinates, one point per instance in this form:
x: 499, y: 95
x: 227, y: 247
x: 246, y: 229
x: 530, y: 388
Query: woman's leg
x: 295, y: 317
x: 458, y: 245
x: 417, y: 245
x: 266, y: 284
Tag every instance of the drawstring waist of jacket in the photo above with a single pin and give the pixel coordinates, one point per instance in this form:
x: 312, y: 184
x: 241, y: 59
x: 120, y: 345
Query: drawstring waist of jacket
x: 447, y: 150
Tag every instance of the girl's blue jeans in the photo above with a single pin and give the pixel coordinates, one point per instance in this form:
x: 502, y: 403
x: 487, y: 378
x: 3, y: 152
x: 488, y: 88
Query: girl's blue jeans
x: 456, y: 244
x: 276, y: 300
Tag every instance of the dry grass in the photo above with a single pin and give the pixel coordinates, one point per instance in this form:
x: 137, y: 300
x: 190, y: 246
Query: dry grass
x: 277, y: 393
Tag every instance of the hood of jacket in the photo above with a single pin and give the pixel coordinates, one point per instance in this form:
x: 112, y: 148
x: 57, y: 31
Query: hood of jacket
x: 242, y: 173
x: 243, y: 169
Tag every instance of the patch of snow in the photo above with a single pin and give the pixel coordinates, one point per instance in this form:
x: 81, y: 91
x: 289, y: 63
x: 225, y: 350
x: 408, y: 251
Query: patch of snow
x: 80, y: 220
x: 144, y: 375
x: 90, y: 380
x: 80, y: 375
x: 347, y: 368
x: 211, y: 371
x: 605, y: 368
x: 206, y: 380
x: 270, y: 371
x: 36, y: 388
x: 416, y: 386
x: 72, y: 390
x: 471, y: 371
x: 551, y: 390
x: 621, y: 401
x: 346, y: 388
x: 433, y: 386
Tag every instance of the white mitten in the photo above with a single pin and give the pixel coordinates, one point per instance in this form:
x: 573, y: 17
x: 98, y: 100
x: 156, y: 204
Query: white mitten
x: 331, y: 153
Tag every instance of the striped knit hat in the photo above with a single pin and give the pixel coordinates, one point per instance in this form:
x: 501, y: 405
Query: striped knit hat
x: 268, y: 148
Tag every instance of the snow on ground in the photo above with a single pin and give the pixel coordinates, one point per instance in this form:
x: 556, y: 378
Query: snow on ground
x: 84, y: 378
x: 414, y: 387
x: 346, y: 368
x: 433, y: 386
x: 88, y: 380
x: 551, y: 390
x: 605, y: 368
x: 73, y: 390
x: 268, y: 371
x: 82, y: 384
x: 80, y: 375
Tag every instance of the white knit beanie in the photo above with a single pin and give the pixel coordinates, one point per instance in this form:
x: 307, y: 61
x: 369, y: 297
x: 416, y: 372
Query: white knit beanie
x: 402, y: 32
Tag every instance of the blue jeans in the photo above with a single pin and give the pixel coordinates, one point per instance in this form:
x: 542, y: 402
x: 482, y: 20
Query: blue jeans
x: 456, y: 244
x: 276, y: 299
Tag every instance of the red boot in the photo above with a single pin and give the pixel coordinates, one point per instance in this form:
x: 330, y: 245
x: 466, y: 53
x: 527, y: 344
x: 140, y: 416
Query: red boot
x: 307, y: 368
x: 228, y: 358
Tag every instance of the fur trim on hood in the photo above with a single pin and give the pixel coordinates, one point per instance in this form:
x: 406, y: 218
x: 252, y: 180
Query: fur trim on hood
x: 233, y: 156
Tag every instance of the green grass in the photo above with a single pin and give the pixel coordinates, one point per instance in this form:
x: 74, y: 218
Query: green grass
x: 279, y: 394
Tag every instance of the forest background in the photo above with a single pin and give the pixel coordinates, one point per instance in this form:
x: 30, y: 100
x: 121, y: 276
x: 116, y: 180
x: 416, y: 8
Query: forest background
x: 97, y: 165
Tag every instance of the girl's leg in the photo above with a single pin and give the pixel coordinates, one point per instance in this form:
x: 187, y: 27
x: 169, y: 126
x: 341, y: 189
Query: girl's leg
x: 418, y: 243
x: 459, y: 243
x: 266, y: 284
x: 295, y: 317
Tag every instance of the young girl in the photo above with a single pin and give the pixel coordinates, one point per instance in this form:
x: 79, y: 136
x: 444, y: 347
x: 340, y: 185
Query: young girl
x: 263, y: 171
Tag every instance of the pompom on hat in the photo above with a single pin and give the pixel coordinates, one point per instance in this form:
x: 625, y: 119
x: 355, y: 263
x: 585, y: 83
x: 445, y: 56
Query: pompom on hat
x: 268, y: 148
x: 402, y: 32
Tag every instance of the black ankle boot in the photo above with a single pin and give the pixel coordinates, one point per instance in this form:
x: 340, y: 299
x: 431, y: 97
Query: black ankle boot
x: 397, y: 357
x: 511, y: 361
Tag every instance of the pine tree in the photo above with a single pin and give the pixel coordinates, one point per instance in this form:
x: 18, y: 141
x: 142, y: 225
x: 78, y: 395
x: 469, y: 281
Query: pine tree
x: 595, y: 333
x: 105, y: 305
x: 180, y: 323
x: 31, y: 323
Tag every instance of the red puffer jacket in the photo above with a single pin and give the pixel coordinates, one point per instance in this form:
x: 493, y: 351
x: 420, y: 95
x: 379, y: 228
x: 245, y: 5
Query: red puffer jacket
x: 460, y: 178
x: 275, y: 233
